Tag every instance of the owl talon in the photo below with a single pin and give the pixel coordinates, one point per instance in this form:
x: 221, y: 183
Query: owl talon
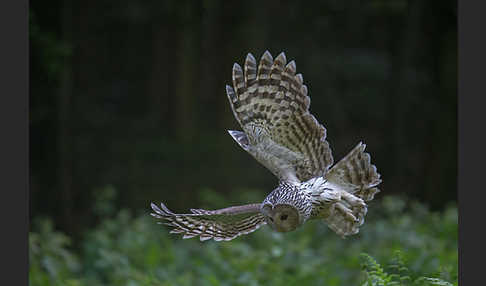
x: 346, y: 211
x: 353, y: 200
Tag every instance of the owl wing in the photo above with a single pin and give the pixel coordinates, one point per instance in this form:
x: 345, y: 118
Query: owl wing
x: 272, y: 106
x: 223, y: 224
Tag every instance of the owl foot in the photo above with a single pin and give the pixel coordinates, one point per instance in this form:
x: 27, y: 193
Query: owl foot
x: 357, y: 204
x: 353, y: 200
x: 346, y: 211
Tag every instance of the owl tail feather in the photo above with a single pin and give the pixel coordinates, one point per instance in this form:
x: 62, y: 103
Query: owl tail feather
x: 355, y: 174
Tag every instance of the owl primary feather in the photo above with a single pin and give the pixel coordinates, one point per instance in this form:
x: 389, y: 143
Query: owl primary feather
x: 271, y: 104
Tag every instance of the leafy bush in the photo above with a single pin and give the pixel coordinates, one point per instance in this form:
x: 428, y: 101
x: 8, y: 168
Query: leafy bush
x: 400, y: 274
x: 50, y: 262
x: 131, y: 249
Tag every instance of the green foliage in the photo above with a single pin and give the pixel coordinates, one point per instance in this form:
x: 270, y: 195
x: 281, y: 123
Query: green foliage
x: 50, y: 260
x: 131, y: 249
x: 376, y: 275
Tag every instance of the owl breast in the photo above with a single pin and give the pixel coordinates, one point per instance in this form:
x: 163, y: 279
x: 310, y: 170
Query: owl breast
x: 322, y: 194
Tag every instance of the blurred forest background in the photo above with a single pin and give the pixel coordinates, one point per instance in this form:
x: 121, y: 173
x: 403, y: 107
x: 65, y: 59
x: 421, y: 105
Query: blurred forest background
x: 128, y: 106
x: 131, y: 94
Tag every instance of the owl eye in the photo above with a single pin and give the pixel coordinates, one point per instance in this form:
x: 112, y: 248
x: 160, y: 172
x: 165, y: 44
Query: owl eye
x: 284, y: 217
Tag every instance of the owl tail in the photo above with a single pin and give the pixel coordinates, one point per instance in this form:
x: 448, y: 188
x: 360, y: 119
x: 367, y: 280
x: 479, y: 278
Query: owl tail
x: 355, y: 174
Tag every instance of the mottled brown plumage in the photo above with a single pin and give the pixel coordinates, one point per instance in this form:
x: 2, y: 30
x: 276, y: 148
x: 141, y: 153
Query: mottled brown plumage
x: 355, y: 174
x: 271, y: 104
x: 223, y: 224
x: 274, y: 100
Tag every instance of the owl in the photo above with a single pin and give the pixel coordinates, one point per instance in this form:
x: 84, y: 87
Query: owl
x: 270, y: 103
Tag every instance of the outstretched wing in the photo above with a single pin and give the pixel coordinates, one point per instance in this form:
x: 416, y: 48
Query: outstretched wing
x: 223, y: 224
x: 271, y: 104
x: 355, y: 174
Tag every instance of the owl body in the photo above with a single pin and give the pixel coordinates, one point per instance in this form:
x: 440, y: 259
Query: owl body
x: 270, y: 102
x: 314, y: 199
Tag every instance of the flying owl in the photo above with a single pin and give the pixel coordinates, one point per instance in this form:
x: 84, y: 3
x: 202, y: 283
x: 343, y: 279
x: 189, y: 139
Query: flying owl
x: 271, y: 104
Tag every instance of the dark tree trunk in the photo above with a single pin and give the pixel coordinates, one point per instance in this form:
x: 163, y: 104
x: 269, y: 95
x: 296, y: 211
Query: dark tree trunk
x: 64, y: 120
x: 187, y: 82
x: 403, y: 92
x: 158, y: 85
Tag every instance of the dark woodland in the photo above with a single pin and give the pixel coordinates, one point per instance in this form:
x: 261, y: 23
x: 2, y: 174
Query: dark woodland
x: 131, y: 95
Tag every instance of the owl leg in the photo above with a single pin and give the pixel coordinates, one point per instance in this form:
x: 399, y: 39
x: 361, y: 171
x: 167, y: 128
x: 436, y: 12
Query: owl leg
x: 357, y: 204
x: 353, y: 208
x: 353, y: 200
x: 346, y: 211
x: 346, y: 215
x: 330, y: 196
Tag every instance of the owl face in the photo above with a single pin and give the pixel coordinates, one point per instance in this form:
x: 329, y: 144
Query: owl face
x: 281, y: 217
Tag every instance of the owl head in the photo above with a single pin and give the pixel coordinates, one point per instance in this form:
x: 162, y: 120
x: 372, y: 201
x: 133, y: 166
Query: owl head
x: 281, y: 217
x: 286, y: 208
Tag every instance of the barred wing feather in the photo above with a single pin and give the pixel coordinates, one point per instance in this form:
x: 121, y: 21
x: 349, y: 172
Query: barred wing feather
x: 271, y: 104
x: 223, y: 224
